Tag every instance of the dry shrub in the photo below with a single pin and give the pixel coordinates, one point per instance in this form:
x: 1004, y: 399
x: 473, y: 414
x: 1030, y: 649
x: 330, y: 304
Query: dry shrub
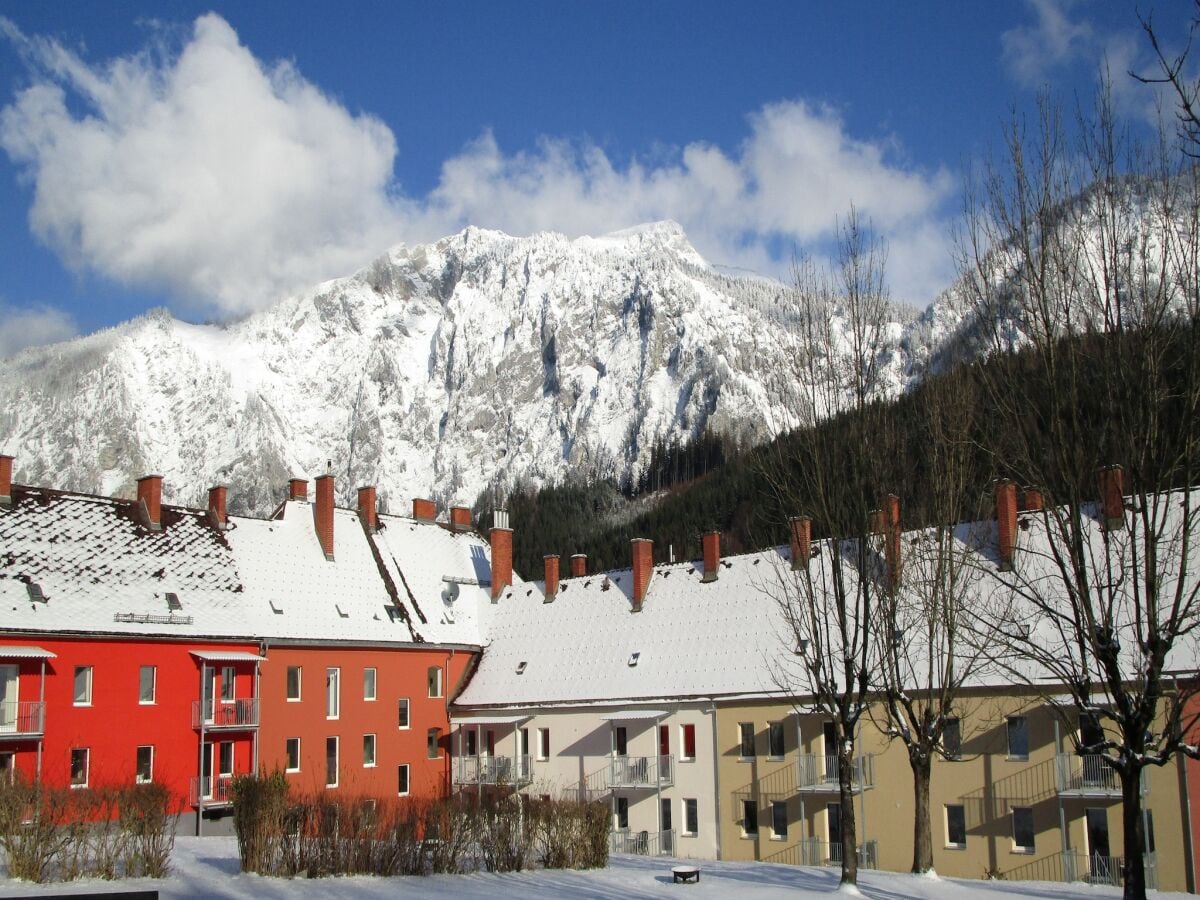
x: 149, y: 826
x: 259, y: 812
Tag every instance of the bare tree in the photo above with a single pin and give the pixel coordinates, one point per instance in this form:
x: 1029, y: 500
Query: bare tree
x: 1082, y: 256
x: 1173, y: 71
x: 829, y: 607
x: 929, y: 644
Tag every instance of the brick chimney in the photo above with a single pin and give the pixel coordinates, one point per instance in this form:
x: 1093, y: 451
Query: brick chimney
x: 1006, y: 523
x: 551, y: 576
x: 149, y: 489
x: 711, y: 543
x: 297, y: 488
x: 891, y: 546
x: 501, y: 540
x: 367, y: 508
x: 801, y: 531
x: 1033, y: 501
x: 643, y: 562
x: 425, y: 510
x: 578, y: 565
x: 217, y: 496
x: 323, y: 514
x: 460, y: 518
x: 1112, y: 497
x: 6, y: 469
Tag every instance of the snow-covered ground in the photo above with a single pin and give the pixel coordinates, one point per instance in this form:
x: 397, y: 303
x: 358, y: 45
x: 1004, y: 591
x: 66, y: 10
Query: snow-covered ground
x: 208, y: 867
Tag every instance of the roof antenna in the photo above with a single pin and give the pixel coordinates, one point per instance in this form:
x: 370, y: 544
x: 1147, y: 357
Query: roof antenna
x: 328, y: 465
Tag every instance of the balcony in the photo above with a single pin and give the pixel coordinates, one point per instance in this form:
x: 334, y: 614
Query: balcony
x: 641, y: 771
x: 816, y: 852
x: 1089, y: 776
x: 23, y: 719
x: 225, y: 715
x: 642, y: 843
x: 819, y: 773
x: 211, y: 791
x: 1108, y: 870
x: 510, y: 771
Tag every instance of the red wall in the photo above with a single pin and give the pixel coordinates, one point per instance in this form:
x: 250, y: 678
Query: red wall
x: 400, y: 673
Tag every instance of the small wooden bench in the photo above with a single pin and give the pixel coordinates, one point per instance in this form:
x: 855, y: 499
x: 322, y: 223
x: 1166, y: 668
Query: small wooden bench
x: 685, y: 874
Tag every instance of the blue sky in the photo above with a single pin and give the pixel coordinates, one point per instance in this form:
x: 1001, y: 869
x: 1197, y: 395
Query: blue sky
x: 212, y: 157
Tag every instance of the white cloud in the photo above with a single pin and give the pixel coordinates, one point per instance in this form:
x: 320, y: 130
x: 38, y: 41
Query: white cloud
x: 31, y: 327
x: 228, y: 182
x: 1032, y: 52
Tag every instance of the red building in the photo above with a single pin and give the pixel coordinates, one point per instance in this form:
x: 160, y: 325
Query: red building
x: 143, y: 642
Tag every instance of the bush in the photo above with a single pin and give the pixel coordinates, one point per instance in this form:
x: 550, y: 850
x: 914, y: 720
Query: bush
x: 259, y: 809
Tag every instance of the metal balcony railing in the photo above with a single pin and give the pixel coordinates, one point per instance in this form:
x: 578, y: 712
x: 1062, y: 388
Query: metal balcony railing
x: 819, y: 773
x: 642, y: 843
x: 1089, y: 776
x: 211, y: 790
x: 498, y: 770
x: 22, y: 719
x: 1109, y: 870
x: 816, y: 852
x: 641, y: 771
x: 225, y: 714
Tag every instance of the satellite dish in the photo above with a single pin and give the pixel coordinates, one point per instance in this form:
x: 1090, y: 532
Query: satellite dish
x: 450, y: 592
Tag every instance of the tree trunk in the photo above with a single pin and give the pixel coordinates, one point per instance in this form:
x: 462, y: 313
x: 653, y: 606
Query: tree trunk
x: 922, y: 837
x: 1131, y: 822
x: 846, y: 796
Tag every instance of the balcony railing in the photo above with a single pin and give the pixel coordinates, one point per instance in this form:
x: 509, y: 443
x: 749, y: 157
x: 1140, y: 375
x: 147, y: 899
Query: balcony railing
x: 22, y: 719
x: 225, y: 714
x: 642, y: 843
x: 1089, y: 776
x: 816, y: 852
x: 211, y: 790
x: 1109, y: 870
x: 819, y: 773
x: 499, y: 770
x: 641, y: 771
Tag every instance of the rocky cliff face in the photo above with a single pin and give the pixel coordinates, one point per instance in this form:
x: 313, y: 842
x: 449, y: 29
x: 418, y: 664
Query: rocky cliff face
x: 435, y: 371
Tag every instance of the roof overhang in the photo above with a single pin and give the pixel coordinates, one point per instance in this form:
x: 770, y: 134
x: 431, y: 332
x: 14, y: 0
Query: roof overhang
x: 9, y: 651
x: 227, y: 656
x: 488, y: 720
x: 633, y: 715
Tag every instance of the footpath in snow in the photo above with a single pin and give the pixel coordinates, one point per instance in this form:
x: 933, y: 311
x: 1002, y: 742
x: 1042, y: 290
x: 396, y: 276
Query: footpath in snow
x: 208, y: 867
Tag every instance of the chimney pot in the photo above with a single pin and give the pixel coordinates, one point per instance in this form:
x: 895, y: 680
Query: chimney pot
x: 1112, y: 497
x: 578, y: 565
x: 423, y: 509
x: 323, y: 514
x: 501, y: 541
x: 460, y: 518
x: 217, y: 496
x: 1006, y: 522
x: 801, y: 530
x: 297, y: 488
x: 149, y: 490
x: 643, y: 562
x: 711, y: 544
x: 6, y: 470
x: 551, y: 576
x: 367, y: 508
x: 1033, y: 501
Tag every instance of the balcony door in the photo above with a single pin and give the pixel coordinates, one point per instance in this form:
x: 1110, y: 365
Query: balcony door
x: 8, y: 698
x: 829, y: 739
x: 1100, y: 860
x: 206, y: 770
x: 208, y: 689
x: 1091, y: 734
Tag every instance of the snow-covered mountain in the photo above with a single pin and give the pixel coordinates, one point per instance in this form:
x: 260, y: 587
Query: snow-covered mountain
x: 435, y: 371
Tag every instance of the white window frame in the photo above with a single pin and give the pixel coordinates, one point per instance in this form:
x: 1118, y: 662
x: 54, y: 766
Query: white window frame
x: 142, y: 700
x: 87, y: 766
x: 228, y: 684
x: 1018, y: 757
x: 287, y: 685
x: 684, y: 819
x: 775, y: 835
x: 337, y: 761
x: 1016, y: 848
x: 224, y: 771
x: 748, y: 805
x: 954, y: 845
x: 782, y: 726
x: 435, y: 745
x: 683, y: 757
x: 374, y: 751
x: 86, y: 672
x: 742, y: 726
x: 404, y: 704
x: 137, y: 775
x: 543, y: 744
x: 434, y: 681
x: 333, y: 692
x: 372, y: 682
x: 404, y: 767
x: 287, y: 754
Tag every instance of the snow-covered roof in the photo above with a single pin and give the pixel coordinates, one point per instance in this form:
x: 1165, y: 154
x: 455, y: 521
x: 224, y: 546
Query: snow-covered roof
x: 80, y: 564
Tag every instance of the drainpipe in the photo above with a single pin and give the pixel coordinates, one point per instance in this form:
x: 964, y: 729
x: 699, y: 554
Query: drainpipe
x: 42, y: 739
x: 257, y: 722
x: 1188, y: 854
x: 862, y: 788
x: 658, y: 779
x: 712, y: 711
x: 200, y: 773
x: 1062, y: 815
